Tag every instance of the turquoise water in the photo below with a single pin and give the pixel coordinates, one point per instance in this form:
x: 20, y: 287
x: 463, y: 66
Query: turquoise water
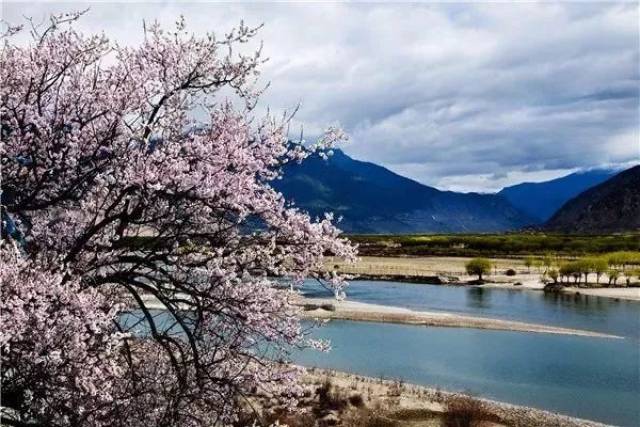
x: 617, y: 317
x: 596, y: 379
x: 592, y: 378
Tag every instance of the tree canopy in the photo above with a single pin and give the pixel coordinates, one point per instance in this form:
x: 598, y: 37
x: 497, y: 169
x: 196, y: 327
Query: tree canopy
x: 100, y: 150
x: 478, y: 267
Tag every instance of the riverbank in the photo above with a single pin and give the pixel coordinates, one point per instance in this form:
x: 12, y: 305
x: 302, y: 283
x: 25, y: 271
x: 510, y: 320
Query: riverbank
x: 410, y: 396
x: 628, y: 294
x: 321, y: 308
x: 344, y: 399
x: 451, y: 271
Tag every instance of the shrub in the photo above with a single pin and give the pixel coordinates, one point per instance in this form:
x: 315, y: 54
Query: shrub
x: 356, y: 400
x: 413, y: 414
x: 464, y: 411
x: 328, y: 307
x: 510, y: 272
x: 330, y: 397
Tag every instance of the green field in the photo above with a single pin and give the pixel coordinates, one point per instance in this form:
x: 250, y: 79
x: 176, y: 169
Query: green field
x: 516, y: 244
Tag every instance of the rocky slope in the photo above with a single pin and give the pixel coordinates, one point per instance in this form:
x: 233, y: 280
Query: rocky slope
x: 613, y: 206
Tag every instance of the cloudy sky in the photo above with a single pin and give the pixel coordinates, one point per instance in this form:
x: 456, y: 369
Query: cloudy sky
x: 465, y: 97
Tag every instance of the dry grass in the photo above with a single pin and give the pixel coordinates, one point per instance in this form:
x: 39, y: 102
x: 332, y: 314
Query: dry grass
x: 420, y: 266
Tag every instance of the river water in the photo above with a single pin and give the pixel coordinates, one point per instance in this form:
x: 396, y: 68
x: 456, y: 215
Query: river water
x: 592, y: 378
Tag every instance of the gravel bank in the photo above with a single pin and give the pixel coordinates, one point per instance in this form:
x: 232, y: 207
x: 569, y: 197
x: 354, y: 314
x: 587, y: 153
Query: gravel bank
x: 351, y: 310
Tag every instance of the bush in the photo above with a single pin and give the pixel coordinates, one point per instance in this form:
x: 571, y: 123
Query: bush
x: 328, y: 307
x: 356, y: 400
x: 329, y: 397
x: 510, y: 272
x: 465, y: 411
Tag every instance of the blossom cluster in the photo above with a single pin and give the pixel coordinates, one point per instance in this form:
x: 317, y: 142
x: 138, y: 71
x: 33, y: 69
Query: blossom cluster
x: 119, y: 198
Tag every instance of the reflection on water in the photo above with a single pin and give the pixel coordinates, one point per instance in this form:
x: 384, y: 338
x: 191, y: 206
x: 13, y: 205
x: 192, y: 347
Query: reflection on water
x: 606, y: 315
x: 478, y: 298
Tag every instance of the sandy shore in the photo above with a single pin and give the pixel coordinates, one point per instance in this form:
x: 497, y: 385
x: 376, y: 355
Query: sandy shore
x: 631, y: 294
x: 351, y: 310
x: 397, y: 397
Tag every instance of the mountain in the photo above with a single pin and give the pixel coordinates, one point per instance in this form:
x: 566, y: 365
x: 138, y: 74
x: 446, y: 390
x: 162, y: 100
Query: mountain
x: 542, y: 199
x: 372, y: 199
x: 613, y: 206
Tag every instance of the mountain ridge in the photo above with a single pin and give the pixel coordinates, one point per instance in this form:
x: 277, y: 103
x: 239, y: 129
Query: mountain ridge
x: 373, y: 199
x: 612, y: 206
x: 540, y: 200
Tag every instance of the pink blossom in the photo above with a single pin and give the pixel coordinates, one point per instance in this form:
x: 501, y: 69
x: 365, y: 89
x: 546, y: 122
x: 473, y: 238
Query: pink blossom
x: 120, y: 198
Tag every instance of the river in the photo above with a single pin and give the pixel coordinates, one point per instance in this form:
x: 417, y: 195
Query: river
x: 592, y: 378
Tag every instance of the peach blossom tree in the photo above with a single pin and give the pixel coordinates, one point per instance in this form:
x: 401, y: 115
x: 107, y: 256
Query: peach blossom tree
x: 114, y: 199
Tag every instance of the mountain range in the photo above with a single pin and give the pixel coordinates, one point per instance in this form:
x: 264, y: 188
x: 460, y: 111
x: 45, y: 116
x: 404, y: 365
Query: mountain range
x: 540, y: 200
x: 611, y: 206
x: 372, y: 199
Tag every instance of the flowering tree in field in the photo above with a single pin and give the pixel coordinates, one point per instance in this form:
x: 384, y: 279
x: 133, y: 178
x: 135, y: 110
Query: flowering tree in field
x: 112, y: 197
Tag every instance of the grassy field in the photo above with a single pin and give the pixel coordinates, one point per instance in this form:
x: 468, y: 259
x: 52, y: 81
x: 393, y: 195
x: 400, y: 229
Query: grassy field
x: 490, y: 245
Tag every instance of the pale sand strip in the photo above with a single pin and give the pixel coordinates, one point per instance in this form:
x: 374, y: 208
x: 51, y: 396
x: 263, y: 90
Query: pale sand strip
x: 359, y: 311
x: 351, y: 310
x: 627, y: 294
x: 630, y: 294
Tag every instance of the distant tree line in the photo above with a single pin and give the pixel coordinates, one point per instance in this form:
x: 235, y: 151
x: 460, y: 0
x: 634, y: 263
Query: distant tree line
x: 613, y: 265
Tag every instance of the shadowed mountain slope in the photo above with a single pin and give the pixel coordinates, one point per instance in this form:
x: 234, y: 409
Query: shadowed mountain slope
x: 372, y: 199
x: 541, y: 200
x: 613, y: 206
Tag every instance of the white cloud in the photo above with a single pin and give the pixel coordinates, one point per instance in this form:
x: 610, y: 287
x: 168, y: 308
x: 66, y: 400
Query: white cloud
x: 449, y: 94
